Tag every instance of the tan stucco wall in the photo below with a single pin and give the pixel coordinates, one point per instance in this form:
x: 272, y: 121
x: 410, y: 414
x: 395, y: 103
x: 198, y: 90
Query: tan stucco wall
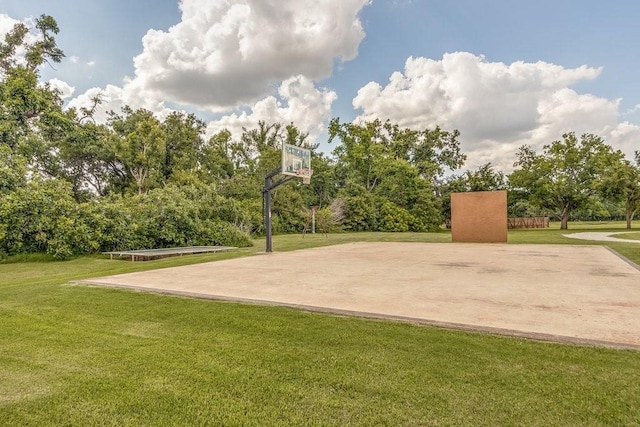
x: 479, y: 217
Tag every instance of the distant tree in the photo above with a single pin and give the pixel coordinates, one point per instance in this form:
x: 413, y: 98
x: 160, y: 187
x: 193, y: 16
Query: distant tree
x: 23, y: 102
x: 13, y: 170
x: 485, y: 178
x: 79, y: 153
x: 216, y: 158
x: 623, y: 185
x: 139, y: 144
x: 184, y: 142
x: 27, y: 108
x: 566, y: 175
x: 322, y: 189
x: 399, y: 167
x: 43, y: 50
x: 366, y: 146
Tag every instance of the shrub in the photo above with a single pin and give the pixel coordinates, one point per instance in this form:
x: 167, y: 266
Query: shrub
x: 360, y: 212
x: 43, y: 217
x: 394, y: 218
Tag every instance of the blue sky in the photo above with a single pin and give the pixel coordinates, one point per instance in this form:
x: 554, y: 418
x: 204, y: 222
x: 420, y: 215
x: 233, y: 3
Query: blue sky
x: 503, y: 72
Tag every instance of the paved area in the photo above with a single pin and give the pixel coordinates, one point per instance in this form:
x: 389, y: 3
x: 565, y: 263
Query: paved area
x: 603, y: 237
x: 582, y: 294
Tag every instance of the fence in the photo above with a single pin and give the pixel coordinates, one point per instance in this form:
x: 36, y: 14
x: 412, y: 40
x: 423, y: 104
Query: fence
x: 520, y: 222
x: 528, y: 222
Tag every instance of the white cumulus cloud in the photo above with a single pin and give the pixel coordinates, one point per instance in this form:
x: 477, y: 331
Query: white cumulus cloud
x: 113, y: 98
x: 299, y: 101
x: 244, y: 60
x: 497, y: 107
x: 6, y: 24
x: 223, y: 54
x: 64, y: 88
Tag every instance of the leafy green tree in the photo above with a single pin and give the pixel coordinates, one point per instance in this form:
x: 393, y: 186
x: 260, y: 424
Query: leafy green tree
x: 362, y: 148
x: 394, y: 218
x: 22, y: 103
x: 360, y: 208
x: 432, y: 151
x: 183, y: 148
x: 623, y: 185
x: 399, y: 166
x: 426, y: 210
x: 43, y: 50
x: 437, y: 152
x: 485, y: 178
x: 322, y: 189
x: 86, y: 159
x: 13, y: 170
x: 22, y: 99
x: 216, y: 158
x: 566, y: 175
x: 140, y: 147
x: 42, y: 216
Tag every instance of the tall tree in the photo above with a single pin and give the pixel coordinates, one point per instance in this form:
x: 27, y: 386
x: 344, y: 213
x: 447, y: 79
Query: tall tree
x: 27, y: 108
x: 84, y: 156
x: 566, y: 175
x: 623, y: 185
x: 23, y: 102
x: 183, y: 146
x: 216, y: 158
x: 399, y: 167
x: 13, y: 170
x: 43, y: 50
x: 485, y: 178
x: 139, y: 145
x: 365, y: 146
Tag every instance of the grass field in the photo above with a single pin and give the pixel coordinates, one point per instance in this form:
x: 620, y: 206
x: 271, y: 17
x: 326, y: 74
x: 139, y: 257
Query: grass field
x: 628, y: 236
x: 74, y: 355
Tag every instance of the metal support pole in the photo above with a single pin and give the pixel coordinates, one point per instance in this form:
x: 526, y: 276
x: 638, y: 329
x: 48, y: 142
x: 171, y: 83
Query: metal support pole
x: 313, y: 219
x: 268, y: 186
x: 267, y: 211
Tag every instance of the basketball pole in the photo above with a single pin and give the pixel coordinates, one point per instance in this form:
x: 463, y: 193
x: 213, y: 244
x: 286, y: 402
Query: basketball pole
x: 269, y: 185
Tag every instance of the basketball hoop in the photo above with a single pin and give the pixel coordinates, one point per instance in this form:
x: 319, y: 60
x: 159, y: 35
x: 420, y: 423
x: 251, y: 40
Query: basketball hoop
x: 305, y: 174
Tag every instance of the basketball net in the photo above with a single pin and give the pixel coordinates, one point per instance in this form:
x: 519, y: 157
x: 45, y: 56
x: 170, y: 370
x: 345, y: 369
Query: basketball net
x: 305, y: 174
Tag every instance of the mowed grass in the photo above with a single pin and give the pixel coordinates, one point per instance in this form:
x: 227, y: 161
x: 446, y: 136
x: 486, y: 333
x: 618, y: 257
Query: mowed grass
x: 628, y: 236
x: 77, y: 355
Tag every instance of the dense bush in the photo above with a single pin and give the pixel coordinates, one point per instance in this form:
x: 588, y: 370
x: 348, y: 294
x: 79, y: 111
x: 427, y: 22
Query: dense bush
x: 394, y: 218
x: 44, y: 217
x: 360, y: 211
x: 426, y: 212
x: 171, y: 216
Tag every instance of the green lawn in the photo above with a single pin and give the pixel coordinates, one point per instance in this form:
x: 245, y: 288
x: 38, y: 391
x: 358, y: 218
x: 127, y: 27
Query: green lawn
x: 634, y: 235
x: 76, y: 355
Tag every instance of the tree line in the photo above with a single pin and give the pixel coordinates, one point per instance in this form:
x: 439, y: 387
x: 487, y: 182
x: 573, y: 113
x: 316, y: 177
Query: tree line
x: 69, y: 185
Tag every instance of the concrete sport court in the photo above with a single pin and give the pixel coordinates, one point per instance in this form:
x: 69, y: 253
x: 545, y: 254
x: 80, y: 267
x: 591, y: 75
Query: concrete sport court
x: 579, y: 294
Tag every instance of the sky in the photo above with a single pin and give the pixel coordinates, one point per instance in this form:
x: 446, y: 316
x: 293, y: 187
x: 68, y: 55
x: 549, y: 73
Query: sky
x: 505, y: 73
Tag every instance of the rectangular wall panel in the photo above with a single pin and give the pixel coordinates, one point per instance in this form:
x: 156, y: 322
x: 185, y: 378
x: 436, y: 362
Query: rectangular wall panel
x: 479, y: 217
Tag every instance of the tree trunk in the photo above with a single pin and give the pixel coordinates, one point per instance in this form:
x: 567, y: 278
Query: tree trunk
x: 629, y: 214
x: 139, y: 176
x: 564, y: 219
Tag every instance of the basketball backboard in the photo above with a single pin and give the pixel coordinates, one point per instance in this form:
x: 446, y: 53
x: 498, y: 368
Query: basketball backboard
x: 296, y: 161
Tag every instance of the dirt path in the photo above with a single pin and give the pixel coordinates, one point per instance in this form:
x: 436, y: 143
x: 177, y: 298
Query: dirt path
x: 602, y: 237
